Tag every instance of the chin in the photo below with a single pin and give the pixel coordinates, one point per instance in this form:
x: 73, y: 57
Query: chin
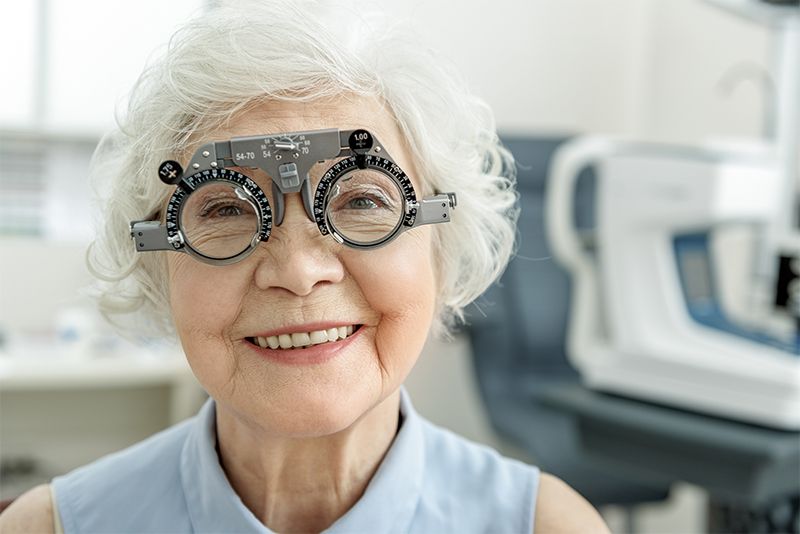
x: 317, y: 420
x: 309, y: 411
x: 317, y: 426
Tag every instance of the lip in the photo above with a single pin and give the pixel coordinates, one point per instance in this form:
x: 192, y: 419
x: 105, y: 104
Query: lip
x: 311, y: 355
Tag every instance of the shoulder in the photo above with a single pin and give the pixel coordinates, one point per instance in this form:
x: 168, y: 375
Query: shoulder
x: 155, y: 455
x: 31, y: 512
x: 456, y: 456
x: 147, y: 474
x: 561, y: 510
x: 474, y: 487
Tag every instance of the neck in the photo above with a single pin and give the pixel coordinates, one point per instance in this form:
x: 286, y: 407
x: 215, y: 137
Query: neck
x: 304, y: 484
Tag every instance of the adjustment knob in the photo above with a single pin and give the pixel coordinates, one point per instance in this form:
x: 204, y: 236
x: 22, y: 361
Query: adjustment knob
x: 170, y: 172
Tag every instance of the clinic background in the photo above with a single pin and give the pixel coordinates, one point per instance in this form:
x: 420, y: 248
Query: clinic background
x: 675, y: 70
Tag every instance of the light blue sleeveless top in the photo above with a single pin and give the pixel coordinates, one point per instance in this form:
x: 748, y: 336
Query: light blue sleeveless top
x: 430, y: 481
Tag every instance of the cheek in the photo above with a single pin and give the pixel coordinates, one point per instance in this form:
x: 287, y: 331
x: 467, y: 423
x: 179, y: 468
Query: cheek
x: 398, y: 282
x: 204, y: 305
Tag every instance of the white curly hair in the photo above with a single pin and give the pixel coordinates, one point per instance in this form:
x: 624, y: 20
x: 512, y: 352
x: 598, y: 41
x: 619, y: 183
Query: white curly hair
x: 239, y: 54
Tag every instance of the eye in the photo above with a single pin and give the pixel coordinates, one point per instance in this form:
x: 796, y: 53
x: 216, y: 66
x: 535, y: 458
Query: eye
x: 213, y: 210
x: 359, y: 198
x: 361, y: 203
x: 229, y: 211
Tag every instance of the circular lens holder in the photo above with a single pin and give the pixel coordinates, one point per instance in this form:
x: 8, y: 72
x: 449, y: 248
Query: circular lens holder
x: 227, y: 176
x: 351, y: 164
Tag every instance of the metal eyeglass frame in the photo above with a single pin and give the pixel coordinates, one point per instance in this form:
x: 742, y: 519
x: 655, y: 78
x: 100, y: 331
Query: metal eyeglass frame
x: 287, y: 158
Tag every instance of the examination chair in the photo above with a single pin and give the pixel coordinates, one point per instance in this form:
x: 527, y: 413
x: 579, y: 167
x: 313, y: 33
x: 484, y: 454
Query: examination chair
x: 517, y: 330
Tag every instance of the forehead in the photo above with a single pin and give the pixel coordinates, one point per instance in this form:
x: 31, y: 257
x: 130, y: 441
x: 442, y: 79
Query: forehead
x: 343, y: 112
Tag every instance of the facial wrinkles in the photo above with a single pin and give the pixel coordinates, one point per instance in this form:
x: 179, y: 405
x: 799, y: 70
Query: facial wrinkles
x: 323, y: 305
x: 294, y: 246
x: 396, y: 315
x: 297, y: 230
x: 388, y: 288
x: 296, y: 236
x: 198, y: 333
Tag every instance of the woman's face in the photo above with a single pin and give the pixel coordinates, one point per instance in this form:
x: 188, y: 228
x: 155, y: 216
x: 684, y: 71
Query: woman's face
x: 301, y: 282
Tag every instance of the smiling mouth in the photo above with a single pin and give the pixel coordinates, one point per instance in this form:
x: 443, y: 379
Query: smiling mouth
x: 299, y: 340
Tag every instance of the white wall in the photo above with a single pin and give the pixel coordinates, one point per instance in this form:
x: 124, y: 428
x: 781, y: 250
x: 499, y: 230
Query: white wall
x: 553, y: 65
x: 647, y: 67
x: 694, y: 47
x: 89, y: 56
x: 638, y: 66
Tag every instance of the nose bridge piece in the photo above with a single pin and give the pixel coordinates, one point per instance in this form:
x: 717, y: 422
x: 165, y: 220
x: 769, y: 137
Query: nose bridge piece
x: 279, y: 210
x: 286, y: 157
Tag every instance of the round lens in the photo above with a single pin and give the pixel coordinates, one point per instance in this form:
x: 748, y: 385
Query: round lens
x: 365, y: 206
x: 219, y: 220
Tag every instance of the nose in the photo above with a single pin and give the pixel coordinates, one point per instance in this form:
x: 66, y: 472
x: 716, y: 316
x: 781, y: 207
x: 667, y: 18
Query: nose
x: 297, y: 258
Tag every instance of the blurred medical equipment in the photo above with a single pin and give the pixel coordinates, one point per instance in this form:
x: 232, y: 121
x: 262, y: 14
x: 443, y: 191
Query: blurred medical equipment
x: 688, y: 291
x: 518, y: 331
x: 219, y: 216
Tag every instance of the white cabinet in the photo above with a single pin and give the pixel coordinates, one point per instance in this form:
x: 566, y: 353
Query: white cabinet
x: 60, y: 413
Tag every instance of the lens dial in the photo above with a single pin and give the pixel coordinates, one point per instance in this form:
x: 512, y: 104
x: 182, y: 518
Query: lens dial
x: 363, y: 204
x: 219, y: 215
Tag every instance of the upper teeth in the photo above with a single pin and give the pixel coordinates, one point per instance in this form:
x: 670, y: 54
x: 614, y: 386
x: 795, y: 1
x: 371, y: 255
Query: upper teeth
x: 304, y: 339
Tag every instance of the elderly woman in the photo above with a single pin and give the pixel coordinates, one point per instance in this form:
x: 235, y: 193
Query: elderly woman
x: 280, y: 172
